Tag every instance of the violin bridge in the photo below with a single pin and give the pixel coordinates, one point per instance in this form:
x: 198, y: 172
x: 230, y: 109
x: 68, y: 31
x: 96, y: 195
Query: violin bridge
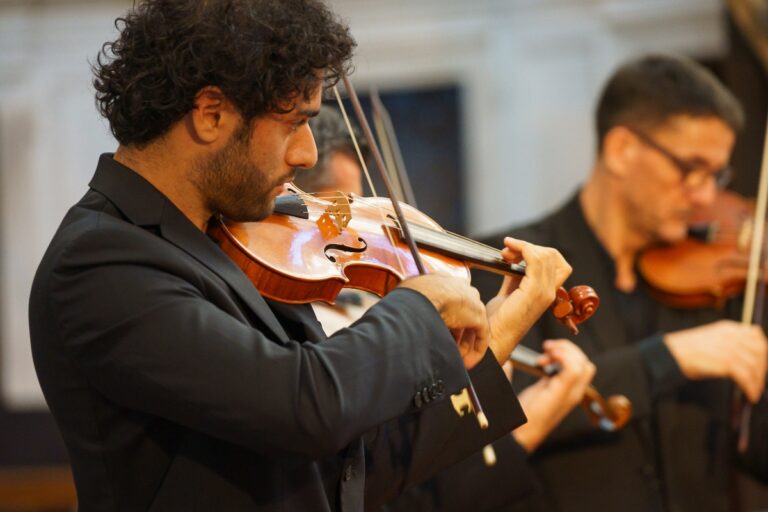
x: 336, y: 217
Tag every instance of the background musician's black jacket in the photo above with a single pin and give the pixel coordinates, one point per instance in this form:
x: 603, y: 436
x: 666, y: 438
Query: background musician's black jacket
x: 676, y: 453
x: 474, y: 485
x: 176, y: 386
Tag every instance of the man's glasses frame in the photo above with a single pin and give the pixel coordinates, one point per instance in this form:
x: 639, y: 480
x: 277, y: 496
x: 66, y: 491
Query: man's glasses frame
x: 692, y: 174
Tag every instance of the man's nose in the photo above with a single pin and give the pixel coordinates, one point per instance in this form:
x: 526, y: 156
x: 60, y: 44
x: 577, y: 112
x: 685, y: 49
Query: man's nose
x: 705, y: 194
x: 302, y: 151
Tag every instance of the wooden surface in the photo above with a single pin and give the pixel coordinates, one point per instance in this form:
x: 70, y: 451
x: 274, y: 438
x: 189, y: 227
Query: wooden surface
x: 38, y: 489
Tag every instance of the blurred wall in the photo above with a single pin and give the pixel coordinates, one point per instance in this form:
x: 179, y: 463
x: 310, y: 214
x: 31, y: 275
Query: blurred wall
x: 50, y: 138
x: 528, y: 71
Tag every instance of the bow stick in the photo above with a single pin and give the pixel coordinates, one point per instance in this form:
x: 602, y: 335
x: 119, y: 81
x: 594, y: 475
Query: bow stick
x: 756, y: 249
x: 392, y: 155
x: 482, y: 420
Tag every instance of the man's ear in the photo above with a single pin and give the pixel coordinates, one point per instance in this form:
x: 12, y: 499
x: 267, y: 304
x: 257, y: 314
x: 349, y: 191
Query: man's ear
x: 620, y: 151
x: 212, y: 116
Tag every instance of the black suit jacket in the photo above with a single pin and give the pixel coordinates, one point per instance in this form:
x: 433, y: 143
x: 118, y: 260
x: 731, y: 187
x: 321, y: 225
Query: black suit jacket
x: 473, y: 485
x: 677, y: 452
x: 178, y: 387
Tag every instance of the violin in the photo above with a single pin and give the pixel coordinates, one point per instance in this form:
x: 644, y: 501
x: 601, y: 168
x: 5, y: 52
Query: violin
x: 609, y: 414
x: 710, y: 266
x: 311, y: 247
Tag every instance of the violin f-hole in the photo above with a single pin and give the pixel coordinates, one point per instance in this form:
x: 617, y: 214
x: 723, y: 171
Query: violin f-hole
x: 344, y: 248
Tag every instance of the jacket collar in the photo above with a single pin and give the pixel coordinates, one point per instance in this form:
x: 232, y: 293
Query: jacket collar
x: 136, y: 198
x: 143, y: 205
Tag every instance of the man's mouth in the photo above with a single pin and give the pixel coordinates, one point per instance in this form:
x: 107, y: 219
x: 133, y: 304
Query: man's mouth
x: 282, y: 185
x: 285, y: 180
x: 288, y: 178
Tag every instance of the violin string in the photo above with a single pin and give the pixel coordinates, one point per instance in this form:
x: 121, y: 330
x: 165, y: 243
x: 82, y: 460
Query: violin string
x: 491, y: 251
x: 722, y: 233
x: 367, y: 174
x: 459, y: 245
x: 446, y: 240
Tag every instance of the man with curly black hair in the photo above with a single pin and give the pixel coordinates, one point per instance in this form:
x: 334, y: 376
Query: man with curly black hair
x: 175, y: 384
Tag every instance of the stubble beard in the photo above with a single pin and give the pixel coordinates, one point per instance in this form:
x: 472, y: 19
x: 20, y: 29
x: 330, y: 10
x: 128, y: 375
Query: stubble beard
x: 232, y: 185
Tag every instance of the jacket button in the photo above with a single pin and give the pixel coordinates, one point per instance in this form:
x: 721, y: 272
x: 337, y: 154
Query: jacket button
x: 348, y: 473
x: 433, y: 392
x: 417, y: 400
x: 440, y: 386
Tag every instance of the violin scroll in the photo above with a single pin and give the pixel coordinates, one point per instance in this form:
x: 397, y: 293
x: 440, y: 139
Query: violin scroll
x: 575, y: 306
x: 609, y: 414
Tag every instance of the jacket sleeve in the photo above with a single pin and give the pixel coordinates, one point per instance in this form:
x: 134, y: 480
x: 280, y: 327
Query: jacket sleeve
x: 407, y: 452
x: 474, y: 485
x: 148, y: 338
x: 755, y: 459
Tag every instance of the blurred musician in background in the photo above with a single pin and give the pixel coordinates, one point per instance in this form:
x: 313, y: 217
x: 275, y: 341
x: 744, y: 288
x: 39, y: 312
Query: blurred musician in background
x: 545, y: 402
x: 665, y: 132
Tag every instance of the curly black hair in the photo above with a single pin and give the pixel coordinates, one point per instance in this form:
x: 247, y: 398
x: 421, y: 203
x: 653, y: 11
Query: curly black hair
x: 261, y: 53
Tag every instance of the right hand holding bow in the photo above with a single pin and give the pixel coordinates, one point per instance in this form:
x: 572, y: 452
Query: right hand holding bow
x: 723, y: 349
x: 460, y: 308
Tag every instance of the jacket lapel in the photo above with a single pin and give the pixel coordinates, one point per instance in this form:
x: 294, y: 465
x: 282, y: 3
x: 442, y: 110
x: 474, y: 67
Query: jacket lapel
x: 302, y: 316
x: 178, y: 230
x: 144, y: 205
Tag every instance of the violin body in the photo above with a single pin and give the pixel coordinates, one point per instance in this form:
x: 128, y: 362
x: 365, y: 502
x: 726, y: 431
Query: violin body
x: 694, y: 274
x: 311, y: 248
x: 307, y: 257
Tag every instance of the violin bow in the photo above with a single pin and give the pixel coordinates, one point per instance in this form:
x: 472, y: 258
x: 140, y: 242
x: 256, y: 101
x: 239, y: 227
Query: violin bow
x: 393, y: 157
x: 482, y: 419
x: 748, y: 314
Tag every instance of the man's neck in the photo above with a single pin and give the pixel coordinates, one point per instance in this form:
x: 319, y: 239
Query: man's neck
x: 169, y: 175
x: 607, y: 216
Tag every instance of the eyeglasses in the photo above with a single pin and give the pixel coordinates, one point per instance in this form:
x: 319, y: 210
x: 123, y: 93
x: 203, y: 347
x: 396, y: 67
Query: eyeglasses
x: 693, y: 174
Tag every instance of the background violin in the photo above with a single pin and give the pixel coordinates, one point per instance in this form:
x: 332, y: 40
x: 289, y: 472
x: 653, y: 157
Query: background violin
x: 609, y: 414
x: 710, y: 266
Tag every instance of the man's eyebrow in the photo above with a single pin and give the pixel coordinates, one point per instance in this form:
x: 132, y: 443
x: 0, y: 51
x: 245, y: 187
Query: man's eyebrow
x: 308, y: 112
